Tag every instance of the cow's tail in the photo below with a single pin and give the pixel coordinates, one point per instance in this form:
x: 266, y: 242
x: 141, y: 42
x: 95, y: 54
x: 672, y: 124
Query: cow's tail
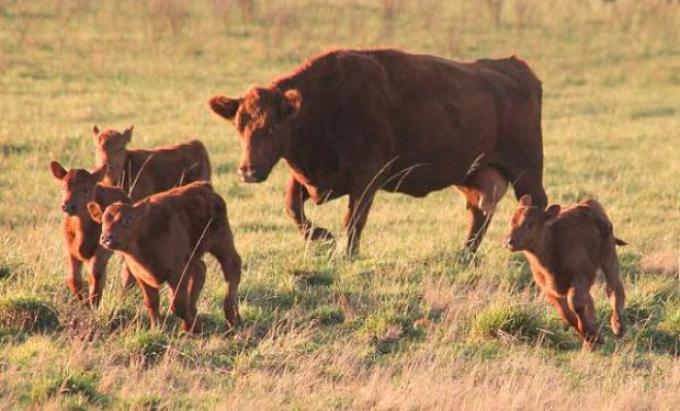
x: 619, y: 241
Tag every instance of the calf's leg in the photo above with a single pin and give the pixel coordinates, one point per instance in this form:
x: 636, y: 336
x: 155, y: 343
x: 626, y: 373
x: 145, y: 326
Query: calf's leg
x: 565, y: 313
x: 222, y: 248
x: 581, y: 302
x: 126, y: 278
x: 73, y: 279
x: 151, y: 301
x: 296, y: 196
x: 615, y: 292
x: 180, y: 300
x: 96, y: 268
x: 196, y: 283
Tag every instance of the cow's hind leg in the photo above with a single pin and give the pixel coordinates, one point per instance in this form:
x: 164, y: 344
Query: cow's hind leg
x: 222, y: 248
x: 482, y: 191
x: 296, y: 196
x: 615, y: 292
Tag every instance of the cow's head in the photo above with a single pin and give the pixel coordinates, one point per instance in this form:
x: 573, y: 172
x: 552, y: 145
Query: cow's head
x: 119, y: 223
x: 527, y: 223
x: 78, y: 186
x: 263, y: 119
x: 110, y: 151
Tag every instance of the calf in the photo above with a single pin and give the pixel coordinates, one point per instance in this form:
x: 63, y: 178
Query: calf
x: 142, y: 172
x: 163, y: 239
x: 81, y: 233
x: 565, y: 247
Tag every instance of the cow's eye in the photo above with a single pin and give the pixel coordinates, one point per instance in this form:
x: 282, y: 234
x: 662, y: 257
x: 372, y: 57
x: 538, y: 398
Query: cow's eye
x: 125, y: 222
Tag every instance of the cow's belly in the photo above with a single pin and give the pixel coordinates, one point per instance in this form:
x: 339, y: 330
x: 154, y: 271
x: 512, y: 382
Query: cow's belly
x: 420, y: 178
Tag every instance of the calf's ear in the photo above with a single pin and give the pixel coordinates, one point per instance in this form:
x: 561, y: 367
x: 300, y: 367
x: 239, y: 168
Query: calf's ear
x: 552, y: 211
x: 224, y: 106
x: 58, y: 171
x: 95, y: 133
x: 95, y: 211
x: 292, y: 100
x: 127, y: 134
x: 100, y: 173
x: 525, y: 200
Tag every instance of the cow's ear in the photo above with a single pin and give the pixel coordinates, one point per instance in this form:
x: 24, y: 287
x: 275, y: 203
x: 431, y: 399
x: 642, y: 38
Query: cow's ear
x: 224, y: 106
x: 100, y: 173
x: 525, y: 200
x: 95, y: 211
x: 292, y: 100
x: 58, y: 171
x: 127, y: 134
x: 552, y: 211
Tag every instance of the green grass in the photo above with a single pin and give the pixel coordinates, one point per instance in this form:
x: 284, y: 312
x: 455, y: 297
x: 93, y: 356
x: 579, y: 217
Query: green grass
x: 408, y: 324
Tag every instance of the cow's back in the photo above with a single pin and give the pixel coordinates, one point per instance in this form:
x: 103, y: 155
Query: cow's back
x: 428, y: 117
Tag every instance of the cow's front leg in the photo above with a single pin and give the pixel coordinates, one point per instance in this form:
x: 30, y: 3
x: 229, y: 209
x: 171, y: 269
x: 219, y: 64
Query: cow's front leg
x: 296, y: 196
x: 360, y: 201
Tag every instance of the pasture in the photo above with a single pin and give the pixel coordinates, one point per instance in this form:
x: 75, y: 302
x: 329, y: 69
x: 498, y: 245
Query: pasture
x: 407, y: 324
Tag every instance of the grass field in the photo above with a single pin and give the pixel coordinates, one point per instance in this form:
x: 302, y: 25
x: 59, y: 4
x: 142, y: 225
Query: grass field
x: 405, y: 325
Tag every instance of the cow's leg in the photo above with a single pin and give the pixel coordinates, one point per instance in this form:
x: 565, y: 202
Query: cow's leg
x: 96, y: 270
x: 126, y: 278
x: 526, y: 183
x: 222, y: 248
x: 296, y: 196
x: 482, y: 190
x: 565, y: 313
x: 581, y: 302
x: 73, y: 279
x: 615, y: 292
x: 151, y: 301
x: 360, y: 201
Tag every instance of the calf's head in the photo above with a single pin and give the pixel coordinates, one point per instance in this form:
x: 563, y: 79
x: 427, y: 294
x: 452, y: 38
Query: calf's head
x: 119, y: 223
x: 110, y: 151
x: 78, y: 187
x: 263, y: 120
x: 527, y: 223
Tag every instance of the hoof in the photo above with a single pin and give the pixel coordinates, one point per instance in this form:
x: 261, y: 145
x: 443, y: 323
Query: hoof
x: 319, y: 234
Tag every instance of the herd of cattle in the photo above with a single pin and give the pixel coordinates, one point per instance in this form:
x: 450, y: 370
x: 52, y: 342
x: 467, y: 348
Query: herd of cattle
x: 348, y: 122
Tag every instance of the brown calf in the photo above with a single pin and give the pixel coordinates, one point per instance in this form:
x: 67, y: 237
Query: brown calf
x: 163, y: 239
x: 142, y: 172
x: 81, y: 233
x: 565, y: 247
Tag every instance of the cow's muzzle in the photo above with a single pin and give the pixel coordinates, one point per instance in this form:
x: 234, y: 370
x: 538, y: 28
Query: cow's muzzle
x: 251, y: 175
x: 68, y: 208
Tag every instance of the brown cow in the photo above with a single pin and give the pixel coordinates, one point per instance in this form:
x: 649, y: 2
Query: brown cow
x: 81, y: 233
x: 565, y: 248
x: 142, y: 172
x: 163, y: 239
x: 355, y: 121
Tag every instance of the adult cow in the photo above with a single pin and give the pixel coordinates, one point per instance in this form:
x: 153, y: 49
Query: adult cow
x: 355, y: 121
